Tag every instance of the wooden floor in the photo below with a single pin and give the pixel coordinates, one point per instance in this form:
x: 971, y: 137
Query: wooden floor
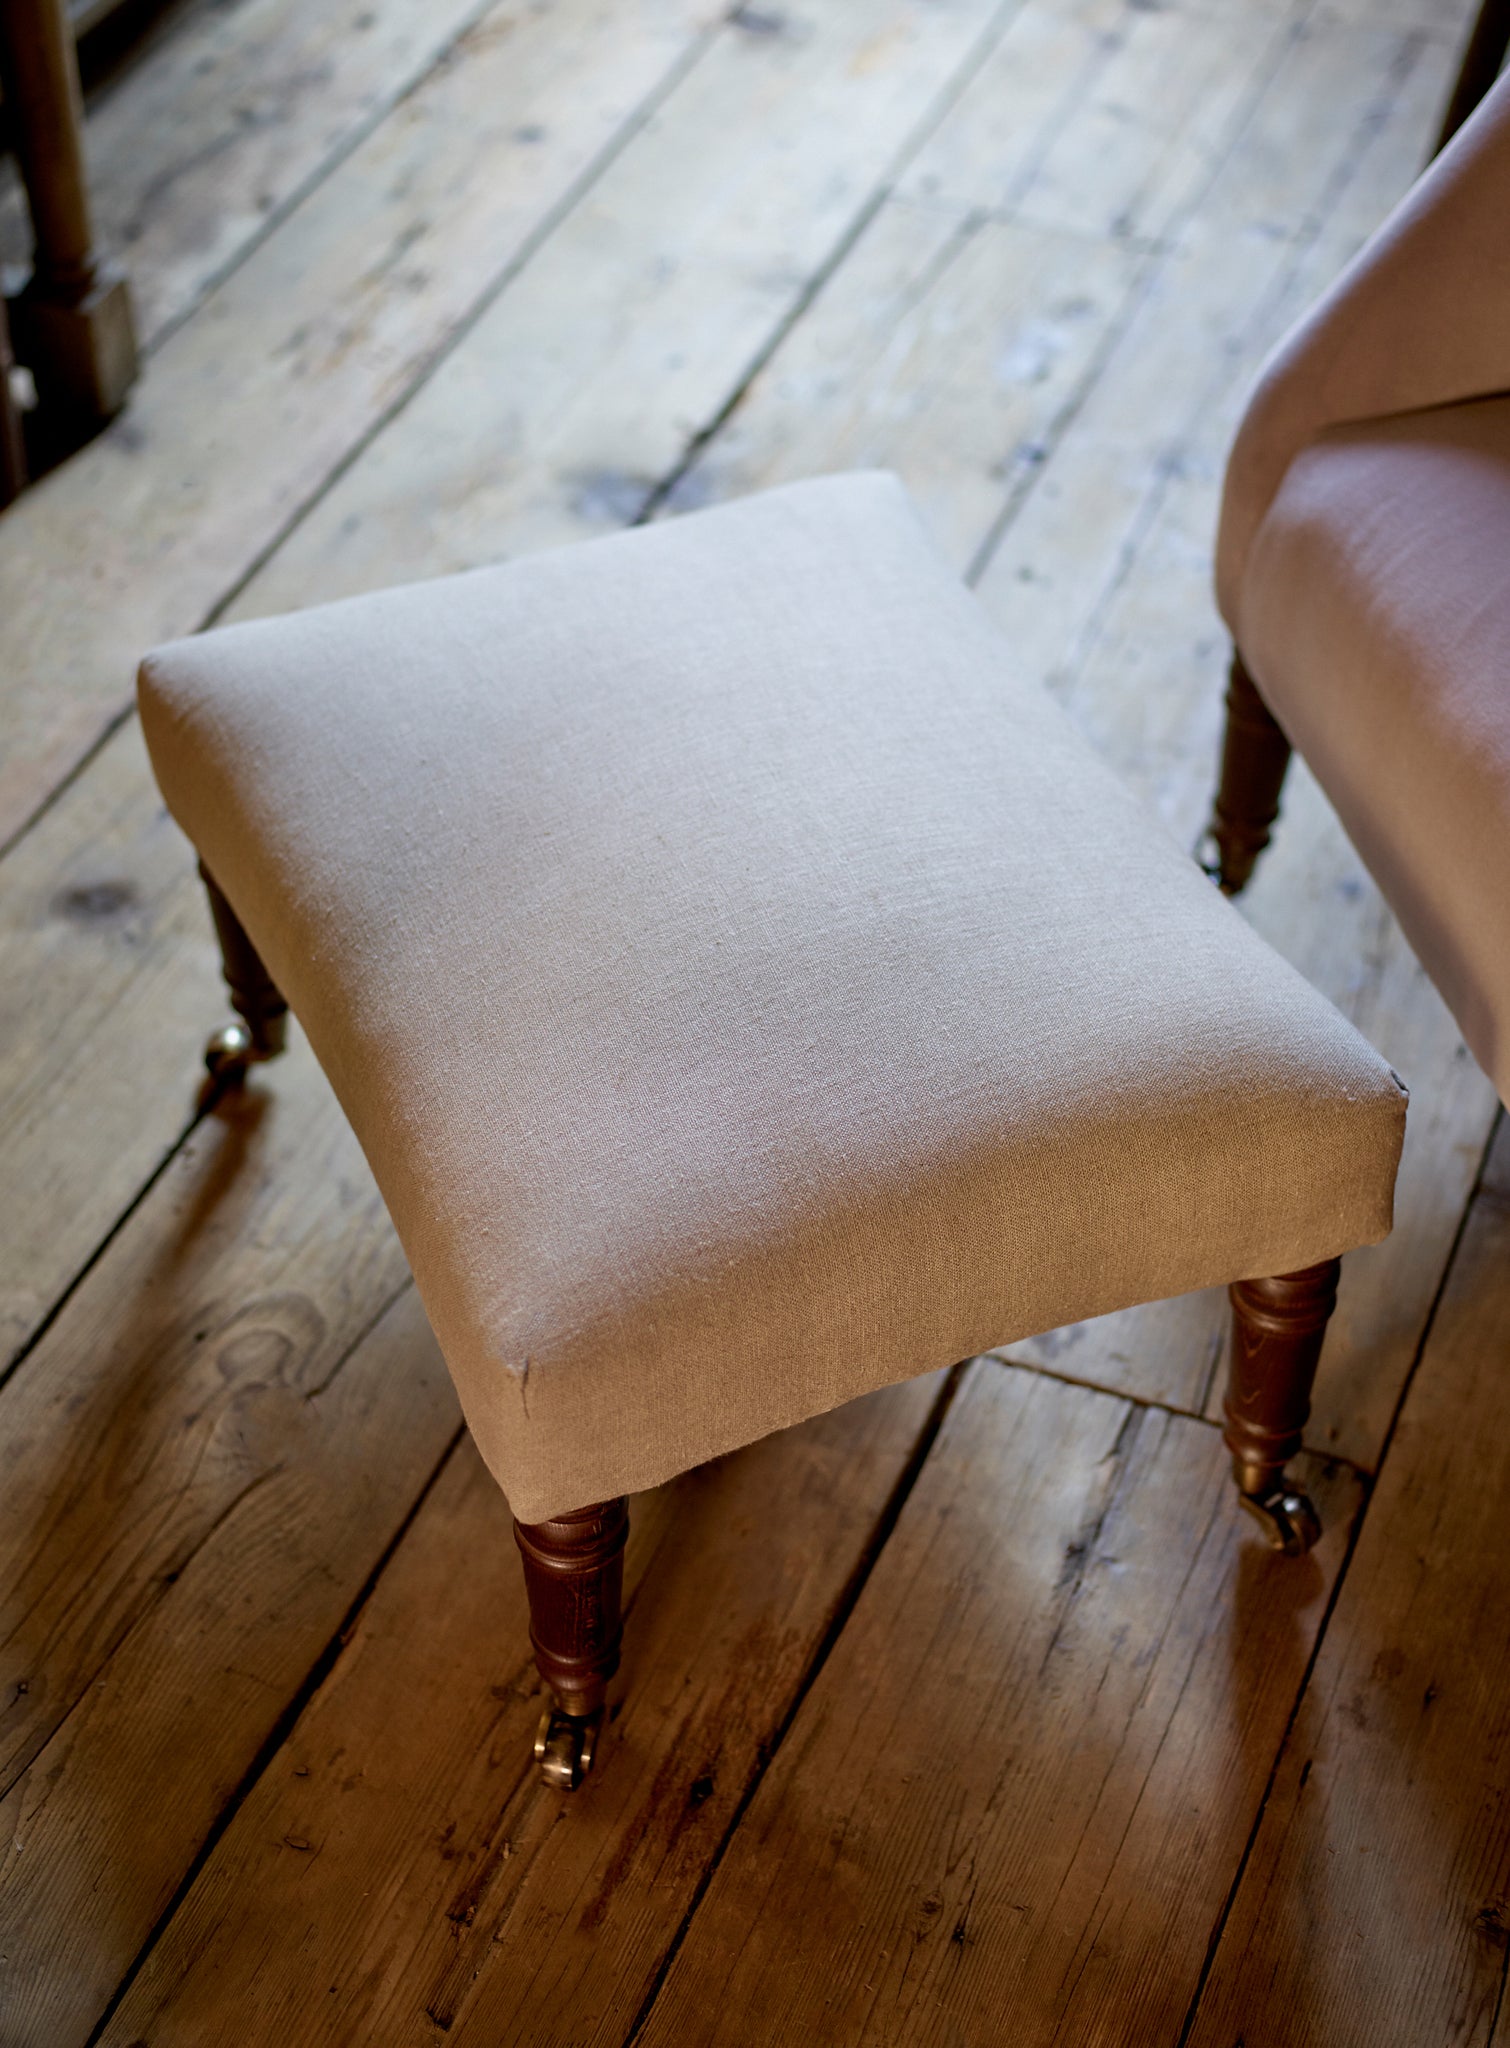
x: 973, y: 1714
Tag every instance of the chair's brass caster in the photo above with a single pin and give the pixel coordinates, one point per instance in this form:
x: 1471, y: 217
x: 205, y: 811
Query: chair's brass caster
x: 229, y: 1053
x: 1286, y: 1516
x: 235, y: 1047
x: 1229, y: 866
x: 565, y: 1745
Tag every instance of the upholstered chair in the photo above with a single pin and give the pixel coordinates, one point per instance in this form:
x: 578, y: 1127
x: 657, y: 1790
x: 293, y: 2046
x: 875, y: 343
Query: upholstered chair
x: 1363, y: 566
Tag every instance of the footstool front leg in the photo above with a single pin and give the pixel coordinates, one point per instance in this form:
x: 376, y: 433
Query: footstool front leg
x: 574, y: 1575
x: 1277, y: 1330
x: 262, y: 1030
x: 1255, y: 755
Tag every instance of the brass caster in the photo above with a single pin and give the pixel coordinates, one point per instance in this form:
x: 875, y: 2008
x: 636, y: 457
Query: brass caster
x: 1286, y: 1517
x: 229, y: 1053
x: 239, y: 1045
x: 1212, y: 860
x: 565, y: 1745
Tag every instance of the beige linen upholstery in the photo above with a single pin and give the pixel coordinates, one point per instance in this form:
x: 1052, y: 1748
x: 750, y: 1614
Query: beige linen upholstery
x: 747, y: 989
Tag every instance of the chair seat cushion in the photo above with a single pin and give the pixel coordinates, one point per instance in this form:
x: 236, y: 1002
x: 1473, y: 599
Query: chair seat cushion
x: 1375, y: 618
x: 747, y: 990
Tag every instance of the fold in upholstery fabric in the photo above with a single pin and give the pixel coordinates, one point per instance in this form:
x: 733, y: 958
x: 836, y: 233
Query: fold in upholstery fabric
x: 747, y: 989
x: 1421, y: 317
x: 1375, y: 618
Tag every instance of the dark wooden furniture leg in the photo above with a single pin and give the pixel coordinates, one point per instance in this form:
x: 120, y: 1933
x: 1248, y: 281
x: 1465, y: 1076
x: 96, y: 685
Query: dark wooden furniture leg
x: 574, y: 1575
x: 1480, y: 67
x: 1255, y: 755
x: 262, y: 1030
x: 72, y: 322
x: 12, y: 447
x: 1277, y: 1330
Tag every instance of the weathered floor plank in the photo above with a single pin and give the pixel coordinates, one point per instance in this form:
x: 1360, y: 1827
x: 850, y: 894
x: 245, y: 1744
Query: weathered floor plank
x: 948, y: 348
x: 1335, y: 139
x: 1066, y: 490
x: 1018, y: 1792
x: 111, y: 984
x: 202, y: 141
x: 244, y: 412
x: 1147, y: 108
x: 200, y: 1465
x: 399, y: 1872
x: 570, y: 402
x: 1376, y: 1902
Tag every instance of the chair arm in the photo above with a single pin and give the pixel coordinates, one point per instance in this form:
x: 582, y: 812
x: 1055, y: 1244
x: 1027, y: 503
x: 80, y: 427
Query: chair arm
x: 1420, y: 317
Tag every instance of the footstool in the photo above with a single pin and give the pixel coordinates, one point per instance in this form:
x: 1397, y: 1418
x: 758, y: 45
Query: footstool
x: 749, y: 991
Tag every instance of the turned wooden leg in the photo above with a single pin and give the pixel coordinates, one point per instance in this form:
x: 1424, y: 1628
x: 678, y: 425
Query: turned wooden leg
x: 73, y: 324
x: 1277, y: 1330
x: 262, y: 1030
x: 574, y: 1575
x: 1255, y: 755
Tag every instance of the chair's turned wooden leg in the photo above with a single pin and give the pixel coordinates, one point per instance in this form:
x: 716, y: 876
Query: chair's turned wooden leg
x: 1255, y: 755
x: 261, y: 1031
x: 574, y: 1575
x: 1277, y: 1330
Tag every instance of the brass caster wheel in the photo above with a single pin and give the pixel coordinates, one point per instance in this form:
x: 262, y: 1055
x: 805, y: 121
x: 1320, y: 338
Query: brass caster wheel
x: 1216, y: 863
x: 564, y: 1747
x: 239, y: 1045
x: 1286, y: 1517
x: 229, y: 1053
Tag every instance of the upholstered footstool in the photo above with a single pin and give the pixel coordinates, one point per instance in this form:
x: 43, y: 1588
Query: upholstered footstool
x: 749, y: 992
